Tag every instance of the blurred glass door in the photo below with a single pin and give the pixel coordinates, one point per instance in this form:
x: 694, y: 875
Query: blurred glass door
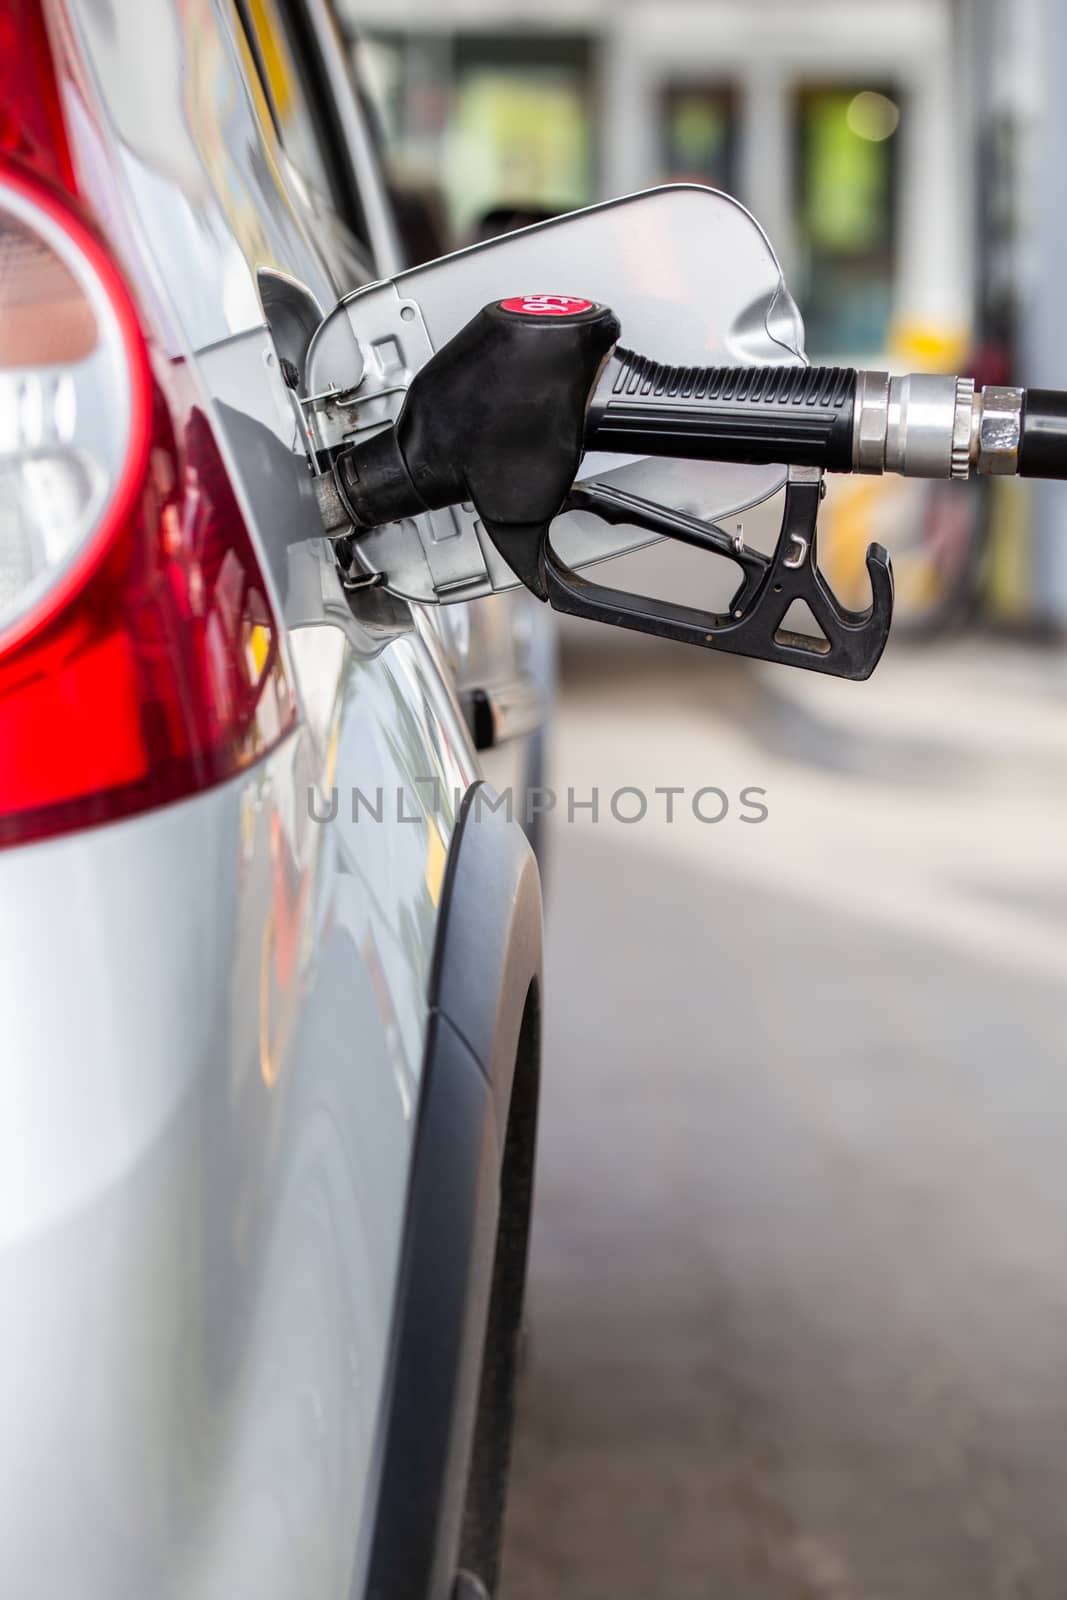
x: 845, y: 229
x: 521, y: 131
x: 493, y: 129
x: 699, y: 134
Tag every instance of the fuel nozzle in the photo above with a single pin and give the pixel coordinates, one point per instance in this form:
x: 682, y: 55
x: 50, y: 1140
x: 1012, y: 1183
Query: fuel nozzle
x: 495, y: 417
x: 501, y: 415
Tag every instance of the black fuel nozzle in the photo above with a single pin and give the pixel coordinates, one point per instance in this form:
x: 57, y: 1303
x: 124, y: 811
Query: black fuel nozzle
x: 501, y: 415
x: 496, y: 417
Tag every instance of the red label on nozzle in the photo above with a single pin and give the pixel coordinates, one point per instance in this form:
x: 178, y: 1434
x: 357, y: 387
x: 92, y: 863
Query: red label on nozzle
x: 546, y: 305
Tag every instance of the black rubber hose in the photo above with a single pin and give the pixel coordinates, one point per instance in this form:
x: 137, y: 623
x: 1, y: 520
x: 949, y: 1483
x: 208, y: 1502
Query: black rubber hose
x: 1043, y: 445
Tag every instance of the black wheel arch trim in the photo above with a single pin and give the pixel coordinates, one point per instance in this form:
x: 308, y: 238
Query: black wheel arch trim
x: 487, y: 960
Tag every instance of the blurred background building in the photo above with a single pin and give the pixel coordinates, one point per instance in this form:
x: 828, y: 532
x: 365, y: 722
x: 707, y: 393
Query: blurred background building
x: 892, y: 150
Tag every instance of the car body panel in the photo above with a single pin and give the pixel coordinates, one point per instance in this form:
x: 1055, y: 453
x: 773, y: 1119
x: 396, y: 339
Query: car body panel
x: 218, y: 1016
x: 215, y: 1015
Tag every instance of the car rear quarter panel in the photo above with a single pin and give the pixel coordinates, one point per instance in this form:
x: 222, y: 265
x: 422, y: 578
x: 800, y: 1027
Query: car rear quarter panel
x: 213, y: 1034
x: 214, y: 1015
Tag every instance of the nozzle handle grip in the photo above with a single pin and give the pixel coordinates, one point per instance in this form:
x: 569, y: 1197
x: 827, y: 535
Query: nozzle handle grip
x: 802, y: 416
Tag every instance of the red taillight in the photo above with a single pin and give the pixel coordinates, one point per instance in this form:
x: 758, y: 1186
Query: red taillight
x: 31, y: 124
x: 139, y: 657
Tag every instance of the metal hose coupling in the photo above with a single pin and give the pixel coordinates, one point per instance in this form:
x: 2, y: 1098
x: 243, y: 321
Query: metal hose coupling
x: 931, y: 425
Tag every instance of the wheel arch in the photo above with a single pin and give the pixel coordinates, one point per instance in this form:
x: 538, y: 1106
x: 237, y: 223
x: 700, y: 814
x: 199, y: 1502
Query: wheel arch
x: 484, y: 1009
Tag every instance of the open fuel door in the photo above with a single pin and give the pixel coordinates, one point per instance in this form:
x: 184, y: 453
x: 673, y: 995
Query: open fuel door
x: 690, y: 274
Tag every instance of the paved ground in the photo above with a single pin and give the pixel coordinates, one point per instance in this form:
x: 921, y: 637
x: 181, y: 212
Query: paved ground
x: 798, y: 1303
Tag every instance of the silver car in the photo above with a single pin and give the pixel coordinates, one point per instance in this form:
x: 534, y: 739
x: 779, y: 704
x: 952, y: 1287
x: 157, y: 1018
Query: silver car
x: 269, y: 968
